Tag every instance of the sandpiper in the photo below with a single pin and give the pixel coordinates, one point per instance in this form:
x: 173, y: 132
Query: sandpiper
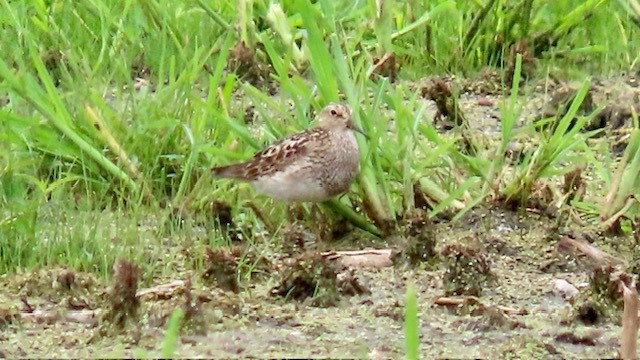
x: 313, y: 165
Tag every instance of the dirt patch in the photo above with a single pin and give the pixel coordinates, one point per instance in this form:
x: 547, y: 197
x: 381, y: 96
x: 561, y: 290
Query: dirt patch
x: 519, y: 315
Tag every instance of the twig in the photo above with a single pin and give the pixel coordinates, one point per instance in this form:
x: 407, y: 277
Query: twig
x: 52, y: 316
x: 377, y: 66
x: 361, y: 258
x: 163, y: 289
x: 629, y: 336
x: 598, y: 256
x: 464, y: 300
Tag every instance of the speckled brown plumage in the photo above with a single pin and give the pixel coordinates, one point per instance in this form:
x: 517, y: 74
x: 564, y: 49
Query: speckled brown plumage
x: 313, y: 165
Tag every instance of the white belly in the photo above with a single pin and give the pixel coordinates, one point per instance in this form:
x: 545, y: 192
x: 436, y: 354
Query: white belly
x: 284, y: 187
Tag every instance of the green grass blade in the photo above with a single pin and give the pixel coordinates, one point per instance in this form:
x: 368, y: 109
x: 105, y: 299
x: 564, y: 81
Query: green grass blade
x: 172, y: 333
x: 411, y: 324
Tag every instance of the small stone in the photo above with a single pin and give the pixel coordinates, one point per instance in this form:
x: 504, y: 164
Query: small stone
x: 564, y: 289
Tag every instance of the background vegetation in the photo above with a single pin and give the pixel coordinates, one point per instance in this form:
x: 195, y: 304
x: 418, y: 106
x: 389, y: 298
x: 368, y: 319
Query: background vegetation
x: 112, y: 113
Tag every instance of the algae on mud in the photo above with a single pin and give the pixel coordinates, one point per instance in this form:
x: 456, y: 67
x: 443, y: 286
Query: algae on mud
x: 254, y: 323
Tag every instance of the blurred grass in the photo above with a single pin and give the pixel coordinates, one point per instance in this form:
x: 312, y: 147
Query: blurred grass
x: 126, y: 105
x: 172, y: 333
x: 411, y: 324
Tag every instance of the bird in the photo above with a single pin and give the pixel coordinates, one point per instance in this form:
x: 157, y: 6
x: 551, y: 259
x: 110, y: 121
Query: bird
x: 311, y: 166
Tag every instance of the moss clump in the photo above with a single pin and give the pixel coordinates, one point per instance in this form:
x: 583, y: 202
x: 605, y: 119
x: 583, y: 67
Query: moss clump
x: 310, y: 276
x: 467, y: 270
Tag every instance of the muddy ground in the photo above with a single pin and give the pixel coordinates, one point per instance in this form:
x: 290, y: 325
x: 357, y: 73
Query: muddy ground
x: 521, y: 310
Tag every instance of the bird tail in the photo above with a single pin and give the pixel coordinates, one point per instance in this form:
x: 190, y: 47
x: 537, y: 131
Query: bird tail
x: 231, y: 171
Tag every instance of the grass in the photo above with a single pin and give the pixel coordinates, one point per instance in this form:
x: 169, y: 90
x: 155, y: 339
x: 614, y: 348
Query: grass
x: 411, y: 325
x: 76, y: 126
x: 171, y: 335
x: 556, y: 150
x: 620, y: 199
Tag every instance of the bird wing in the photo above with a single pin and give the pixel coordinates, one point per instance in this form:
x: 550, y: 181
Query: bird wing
x: 275, y: 157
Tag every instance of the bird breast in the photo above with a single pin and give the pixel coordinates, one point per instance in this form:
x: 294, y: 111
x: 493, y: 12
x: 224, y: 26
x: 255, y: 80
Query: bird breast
x: 341, y: 164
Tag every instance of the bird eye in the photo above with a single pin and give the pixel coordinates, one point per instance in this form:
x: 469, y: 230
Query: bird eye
x: 333, y: 112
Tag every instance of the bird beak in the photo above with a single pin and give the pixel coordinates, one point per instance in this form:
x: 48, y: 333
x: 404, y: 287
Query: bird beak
x: 353, y: 127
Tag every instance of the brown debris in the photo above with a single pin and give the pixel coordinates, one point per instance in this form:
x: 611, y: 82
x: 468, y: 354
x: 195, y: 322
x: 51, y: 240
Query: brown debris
x: 91, y: 317
x: 417, y: 241
x: 492, y: 318
x: 604, y: 284
x: 245, y: 62
x: 420, y: 199
x: 27, y: 308
x: 616, y: 115
x: 221, y: 211
x: 385, y: 225
x: 561, y: 101
x: 55, y: 61
x: 447, y: 104
x: 619, y: 111
x: 139, y: 68
x: 538, y: 197
x: 541, y: 195
x: 57, y: 283
x: 296, y: 238
x: 489, y: 82
x: 8, y: 316
x: 66, y: 279
x: 349, y: 284
x: 221, y: 267
x: 528, y: 63
x: 122, y: 301
x: 449, y: 112
x: 589, y: 313
x: 193, y: 312
x: 485, y: 102
x: 485, y: 317
x: 574, y: 185
x: 249, y: 115
x: 575, y: 339
x: 310, y: 277
x: 602, y: 302
x: 241, y: 58
x: 467, y: 270
x: 386, y: 66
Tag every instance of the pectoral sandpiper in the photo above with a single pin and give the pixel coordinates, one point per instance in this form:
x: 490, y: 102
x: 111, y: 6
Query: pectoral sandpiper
x: 313, y: 165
